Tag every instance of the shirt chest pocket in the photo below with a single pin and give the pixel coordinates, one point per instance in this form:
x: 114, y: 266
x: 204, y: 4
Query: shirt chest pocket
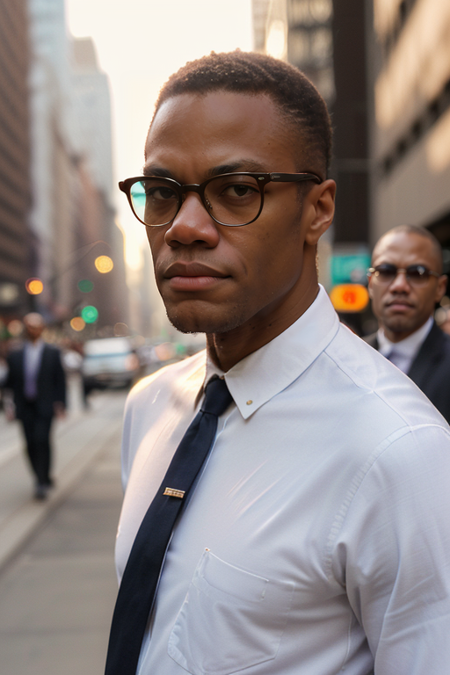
x: 230, y: 619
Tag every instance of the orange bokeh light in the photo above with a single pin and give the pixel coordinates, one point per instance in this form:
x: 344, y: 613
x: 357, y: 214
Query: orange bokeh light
x: 77, y: 323
x: 349, y: 297
x: 15, y: 327
x: 103, y: 264
x: 34, y: 286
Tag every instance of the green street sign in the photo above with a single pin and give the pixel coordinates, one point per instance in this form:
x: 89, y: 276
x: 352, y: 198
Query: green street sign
x: 351, y: 268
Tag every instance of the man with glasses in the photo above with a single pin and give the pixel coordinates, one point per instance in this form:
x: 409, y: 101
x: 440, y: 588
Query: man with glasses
x: 314, y: 537
x: 405, y: 284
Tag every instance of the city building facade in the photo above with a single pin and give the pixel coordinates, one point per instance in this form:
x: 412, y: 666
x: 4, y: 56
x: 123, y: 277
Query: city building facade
x: 15, y: 183
x: 412, y: 116
x: 72, y: 215
x: 383, y: 66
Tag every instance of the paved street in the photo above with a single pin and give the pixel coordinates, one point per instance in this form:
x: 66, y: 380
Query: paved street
x: 57, y: 579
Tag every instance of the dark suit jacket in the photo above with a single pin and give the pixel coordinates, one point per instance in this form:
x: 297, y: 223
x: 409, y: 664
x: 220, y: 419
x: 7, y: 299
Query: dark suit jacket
x: 430, y: 370
x: 51, y: 381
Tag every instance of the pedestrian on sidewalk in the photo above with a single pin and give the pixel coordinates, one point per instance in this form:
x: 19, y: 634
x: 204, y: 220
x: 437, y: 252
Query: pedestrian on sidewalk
x: 37, y: 380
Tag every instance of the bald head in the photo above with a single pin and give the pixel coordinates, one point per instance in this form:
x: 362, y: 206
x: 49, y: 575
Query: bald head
x: 433, y: 246
x: 34, y: 325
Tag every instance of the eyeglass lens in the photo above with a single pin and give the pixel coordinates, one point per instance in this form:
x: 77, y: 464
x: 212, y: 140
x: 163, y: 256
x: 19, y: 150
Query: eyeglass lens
x: 416, y: 274
x: 231, y: 200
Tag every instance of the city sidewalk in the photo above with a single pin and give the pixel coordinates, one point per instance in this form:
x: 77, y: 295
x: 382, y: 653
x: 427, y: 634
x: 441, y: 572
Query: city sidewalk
x: 57, y: 582
x: 78, y: 439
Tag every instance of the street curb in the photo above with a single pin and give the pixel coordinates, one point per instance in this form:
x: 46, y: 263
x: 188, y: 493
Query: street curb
x: 22, y: 524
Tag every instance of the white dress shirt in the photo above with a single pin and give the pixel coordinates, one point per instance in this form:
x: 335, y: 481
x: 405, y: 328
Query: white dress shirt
x: 403, y: 353
x: 317, y: 540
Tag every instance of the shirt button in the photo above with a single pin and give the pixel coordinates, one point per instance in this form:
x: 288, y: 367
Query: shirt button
x: 249, y: 402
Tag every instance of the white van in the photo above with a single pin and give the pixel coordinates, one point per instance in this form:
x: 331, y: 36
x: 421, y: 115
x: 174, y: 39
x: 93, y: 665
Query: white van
x: 109, y: 362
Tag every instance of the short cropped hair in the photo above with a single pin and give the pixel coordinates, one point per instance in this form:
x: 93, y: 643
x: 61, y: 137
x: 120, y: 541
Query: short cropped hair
x: 250, y: 73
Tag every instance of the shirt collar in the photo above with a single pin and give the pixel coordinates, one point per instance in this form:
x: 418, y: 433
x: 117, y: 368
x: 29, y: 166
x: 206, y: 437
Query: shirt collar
x: 261, y: 375
x: 407, y: 347
x: 35, y: 346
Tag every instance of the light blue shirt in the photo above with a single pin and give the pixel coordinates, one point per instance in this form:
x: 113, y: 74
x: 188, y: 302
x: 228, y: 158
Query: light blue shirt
x: 32, y: 363
x: 318, y: 537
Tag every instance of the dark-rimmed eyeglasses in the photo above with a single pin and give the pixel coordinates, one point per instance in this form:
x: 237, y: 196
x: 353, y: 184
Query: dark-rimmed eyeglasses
x: 415, y: 274
x: 231, y: 199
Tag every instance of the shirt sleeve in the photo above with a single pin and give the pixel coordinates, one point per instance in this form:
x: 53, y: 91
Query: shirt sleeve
x: 393, y: 554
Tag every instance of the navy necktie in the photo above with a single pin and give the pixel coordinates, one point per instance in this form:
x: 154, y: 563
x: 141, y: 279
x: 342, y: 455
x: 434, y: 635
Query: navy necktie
x: 141, y: 575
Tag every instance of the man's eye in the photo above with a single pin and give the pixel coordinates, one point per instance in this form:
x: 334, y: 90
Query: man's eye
x: 160, y: 193
x: 239, y: 190
x: 386, y: 269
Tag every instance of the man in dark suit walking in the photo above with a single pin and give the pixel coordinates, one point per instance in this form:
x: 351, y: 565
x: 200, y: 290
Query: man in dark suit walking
x: 405, y: 283
x: 37, y: 380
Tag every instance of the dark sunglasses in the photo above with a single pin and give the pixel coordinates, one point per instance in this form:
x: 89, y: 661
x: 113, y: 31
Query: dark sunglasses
x: 415, y: 274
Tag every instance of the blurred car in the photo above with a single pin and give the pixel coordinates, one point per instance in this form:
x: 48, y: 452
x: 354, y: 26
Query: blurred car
x: 109, y: 362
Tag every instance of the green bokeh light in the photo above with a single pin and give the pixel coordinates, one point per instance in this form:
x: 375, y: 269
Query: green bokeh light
x: 85, y: 286
x: 89, y: 314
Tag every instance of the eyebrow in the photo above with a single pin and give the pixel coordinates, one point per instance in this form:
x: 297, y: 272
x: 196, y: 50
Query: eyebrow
x: 240, y: 165
x: 152, y: 170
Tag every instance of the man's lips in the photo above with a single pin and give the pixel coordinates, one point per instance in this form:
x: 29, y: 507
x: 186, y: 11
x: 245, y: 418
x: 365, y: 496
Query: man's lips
x: 398, y: 305
x: 193, y: 276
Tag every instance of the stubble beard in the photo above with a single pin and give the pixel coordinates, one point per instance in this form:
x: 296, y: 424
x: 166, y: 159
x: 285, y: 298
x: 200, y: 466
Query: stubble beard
x: 401, y: 324
x: 206, y: 322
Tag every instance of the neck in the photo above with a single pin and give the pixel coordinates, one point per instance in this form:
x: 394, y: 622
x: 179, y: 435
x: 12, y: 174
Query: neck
x: 227, y: 349
x: 399, y: 336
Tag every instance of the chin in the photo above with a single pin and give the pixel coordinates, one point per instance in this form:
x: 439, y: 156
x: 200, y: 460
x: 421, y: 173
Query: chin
x: 400, y: 326
x: 203, y: 322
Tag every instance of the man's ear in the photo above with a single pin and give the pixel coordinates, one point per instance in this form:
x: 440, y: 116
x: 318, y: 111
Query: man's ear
x: 441, y: 287
x: 320, y: 204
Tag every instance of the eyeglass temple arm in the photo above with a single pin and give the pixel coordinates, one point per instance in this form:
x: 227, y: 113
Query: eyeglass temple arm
x: 294, y: 177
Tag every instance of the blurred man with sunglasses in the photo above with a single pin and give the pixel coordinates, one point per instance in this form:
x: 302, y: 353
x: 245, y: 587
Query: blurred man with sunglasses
x: 315, y: 537
x: 405, y: 284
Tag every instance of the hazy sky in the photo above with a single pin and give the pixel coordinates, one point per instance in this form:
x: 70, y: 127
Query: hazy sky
x: 139, y: 44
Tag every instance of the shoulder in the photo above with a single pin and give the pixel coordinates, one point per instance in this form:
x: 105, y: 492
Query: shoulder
x: 15, y: 354
x: 438, y: 339
x: 182, y: 374
x: 173, y: 386
x: 378, y: 390
x: 52, y: 355
x: 50, y: 351
x: 15, y: 357
x: 432, y: 363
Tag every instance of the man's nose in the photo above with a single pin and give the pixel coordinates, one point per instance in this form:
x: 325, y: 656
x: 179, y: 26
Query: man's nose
x: 400, y: 283
x: 192, y: 224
